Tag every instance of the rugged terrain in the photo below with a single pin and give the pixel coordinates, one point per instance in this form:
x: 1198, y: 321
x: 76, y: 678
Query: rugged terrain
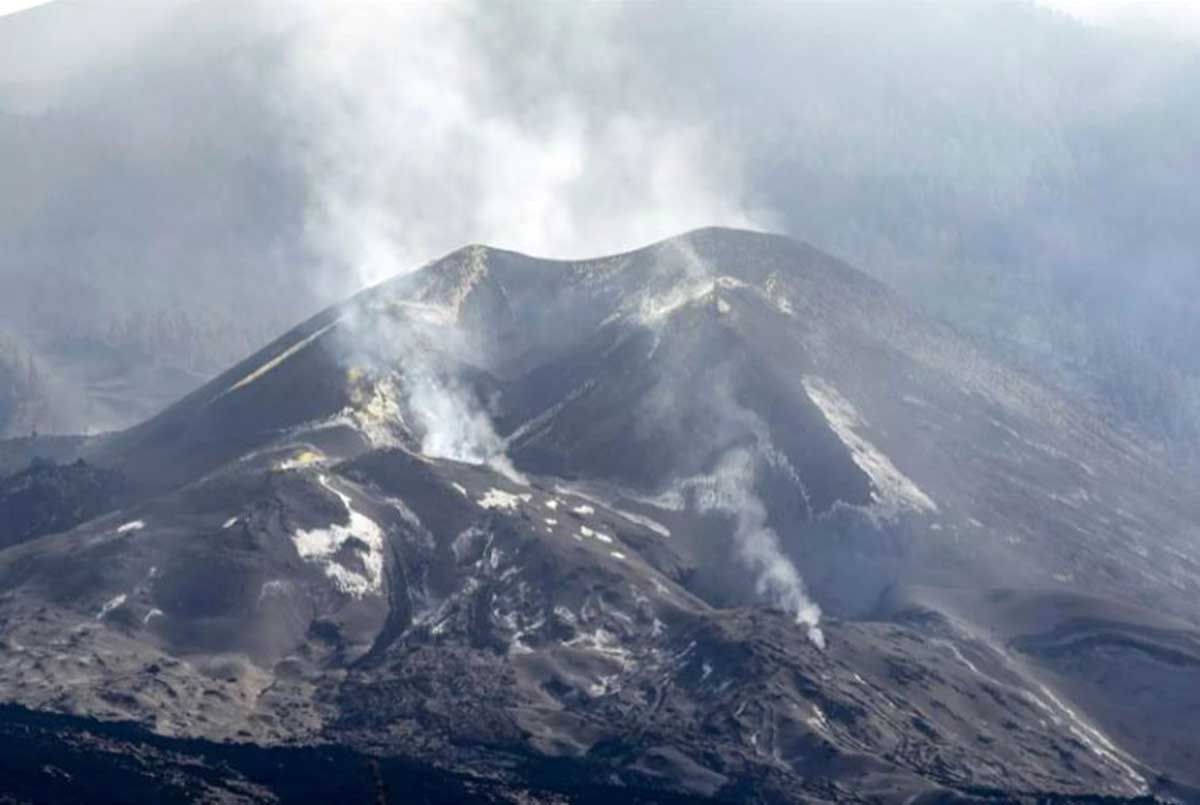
x: 720, y: 518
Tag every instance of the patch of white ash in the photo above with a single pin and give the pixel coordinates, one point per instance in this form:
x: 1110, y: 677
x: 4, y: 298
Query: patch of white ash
x: 892, y: 488
x: 321, y: 545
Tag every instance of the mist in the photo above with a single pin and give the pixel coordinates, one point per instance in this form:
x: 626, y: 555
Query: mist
x: 183, y: 181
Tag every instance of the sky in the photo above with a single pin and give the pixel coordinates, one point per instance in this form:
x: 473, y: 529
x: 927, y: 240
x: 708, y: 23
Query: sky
x: 1182, y: 15
x: 362, y: 139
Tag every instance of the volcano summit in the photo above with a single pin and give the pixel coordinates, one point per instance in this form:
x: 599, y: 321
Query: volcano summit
x: 717, y: 518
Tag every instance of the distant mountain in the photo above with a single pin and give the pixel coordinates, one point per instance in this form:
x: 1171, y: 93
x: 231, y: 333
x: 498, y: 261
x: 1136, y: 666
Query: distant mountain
x: 68, y: 373
x: 718, y: 518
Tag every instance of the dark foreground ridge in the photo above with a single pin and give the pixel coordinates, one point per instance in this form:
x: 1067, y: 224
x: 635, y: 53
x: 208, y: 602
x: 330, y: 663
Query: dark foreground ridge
x: 51, y: 758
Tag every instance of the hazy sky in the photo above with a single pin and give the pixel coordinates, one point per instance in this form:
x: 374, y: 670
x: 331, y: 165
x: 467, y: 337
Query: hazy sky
x: 1180, y: 15
x: 334, y: 144
x: 364, y: 138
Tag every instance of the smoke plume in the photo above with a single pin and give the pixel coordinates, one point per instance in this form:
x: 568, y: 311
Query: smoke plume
x: 737, y: 433
x: 730, y: 490
x: 422, y: 128
x: 408, y: 364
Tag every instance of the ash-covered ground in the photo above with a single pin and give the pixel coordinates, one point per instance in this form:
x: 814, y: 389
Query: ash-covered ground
x: 718, y: 518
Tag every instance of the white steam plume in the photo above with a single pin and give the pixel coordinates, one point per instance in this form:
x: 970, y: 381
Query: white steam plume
x: 730, y: 488
x: 453, y: 423
x: 424, y: 127
x: 404, y: 362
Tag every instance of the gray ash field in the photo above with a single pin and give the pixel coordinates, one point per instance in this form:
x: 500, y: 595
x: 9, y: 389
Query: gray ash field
x: 719, y: 519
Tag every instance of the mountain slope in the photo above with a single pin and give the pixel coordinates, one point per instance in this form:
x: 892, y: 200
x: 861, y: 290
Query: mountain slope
x: 718, y: 517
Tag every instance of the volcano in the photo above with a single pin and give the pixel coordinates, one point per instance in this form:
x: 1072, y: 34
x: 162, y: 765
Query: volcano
x: 720, y: 518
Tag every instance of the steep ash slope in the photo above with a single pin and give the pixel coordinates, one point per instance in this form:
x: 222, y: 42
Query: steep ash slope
x: 511, y: 515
